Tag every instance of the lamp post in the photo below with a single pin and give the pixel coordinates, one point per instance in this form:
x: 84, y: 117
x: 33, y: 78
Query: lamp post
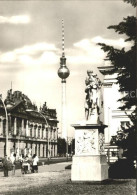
x: 7, y: 151
x: 29, y: 110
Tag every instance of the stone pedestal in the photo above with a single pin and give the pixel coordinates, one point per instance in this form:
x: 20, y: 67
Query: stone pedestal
x: 89, y: 163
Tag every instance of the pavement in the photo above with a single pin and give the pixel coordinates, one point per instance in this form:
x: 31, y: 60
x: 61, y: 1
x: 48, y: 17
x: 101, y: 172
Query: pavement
x: 53, y: 179
x: 47, y: 174
x: 57, y: 167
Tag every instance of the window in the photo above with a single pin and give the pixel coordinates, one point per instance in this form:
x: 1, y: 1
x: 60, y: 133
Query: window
x: 39, y: 132
x: 34, y: 131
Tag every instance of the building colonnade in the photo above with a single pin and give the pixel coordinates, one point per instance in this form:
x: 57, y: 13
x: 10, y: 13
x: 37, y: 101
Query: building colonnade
x: 27, y: 136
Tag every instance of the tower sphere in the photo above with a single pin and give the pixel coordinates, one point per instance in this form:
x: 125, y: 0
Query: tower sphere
x: 63, y: 72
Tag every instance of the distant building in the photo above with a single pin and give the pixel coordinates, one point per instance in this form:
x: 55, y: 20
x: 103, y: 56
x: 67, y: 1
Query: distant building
x: 113, y: 116
x: 29, y: 131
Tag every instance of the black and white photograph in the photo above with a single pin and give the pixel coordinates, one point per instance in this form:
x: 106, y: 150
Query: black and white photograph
x: 68, y: 97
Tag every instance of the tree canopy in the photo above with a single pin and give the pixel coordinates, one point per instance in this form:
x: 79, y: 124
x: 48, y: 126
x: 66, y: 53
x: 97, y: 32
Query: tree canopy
x: 124, y: 62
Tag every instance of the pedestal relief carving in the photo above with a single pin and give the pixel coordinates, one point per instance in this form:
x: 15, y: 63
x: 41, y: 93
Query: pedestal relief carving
x: 86, y: 142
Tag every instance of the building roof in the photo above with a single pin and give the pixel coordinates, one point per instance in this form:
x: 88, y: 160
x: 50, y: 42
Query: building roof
x: 106, y: 69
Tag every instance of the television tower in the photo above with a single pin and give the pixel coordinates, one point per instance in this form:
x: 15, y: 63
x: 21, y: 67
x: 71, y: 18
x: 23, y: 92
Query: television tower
x: 63, y: 73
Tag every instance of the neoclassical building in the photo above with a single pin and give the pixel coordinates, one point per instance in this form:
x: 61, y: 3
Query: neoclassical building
x: 113, y: 117
x: 29, y: 130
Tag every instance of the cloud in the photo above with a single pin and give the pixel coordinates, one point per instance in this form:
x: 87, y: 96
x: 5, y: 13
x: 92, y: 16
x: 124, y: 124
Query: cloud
x: 8, y: 57
x: 20, y: 19
x: 85, y: 52
x: 114, y: 42
x: 33, y: 49
x: 46, y: 54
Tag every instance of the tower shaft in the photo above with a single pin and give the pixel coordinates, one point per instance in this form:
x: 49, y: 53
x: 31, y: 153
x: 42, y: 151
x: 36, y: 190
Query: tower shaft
x: 64, y: 111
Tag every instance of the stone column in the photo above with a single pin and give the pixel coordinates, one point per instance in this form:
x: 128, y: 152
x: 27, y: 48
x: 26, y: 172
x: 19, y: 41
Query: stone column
x: 15, y: 126
x: 2, y: 144
x: 56, y: 132
x: 56, y: 150
x: 44, y: 150
x: 33, y: 148
x: 41, y: 150
x: 53, y: 150
x: 38, y: 146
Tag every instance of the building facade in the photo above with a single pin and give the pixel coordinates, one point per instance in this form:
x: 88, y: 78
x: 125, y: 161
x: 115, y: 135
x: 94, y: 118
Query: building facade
x: 29, y: 131
x: 113, y: 117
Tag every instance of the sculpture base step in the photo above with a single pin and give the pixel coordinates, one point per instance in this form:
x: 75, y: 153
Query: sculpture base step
x: 89, y: 168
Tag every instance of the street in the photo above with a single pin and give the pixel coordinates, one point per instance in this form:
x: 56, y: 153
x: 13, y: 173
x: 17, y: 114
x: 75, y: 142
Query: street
x: 54, y: 179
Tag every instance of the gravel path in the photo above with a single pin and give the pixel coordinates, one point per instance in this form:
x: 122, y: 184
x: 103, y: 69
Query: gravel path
x: 55, y: 180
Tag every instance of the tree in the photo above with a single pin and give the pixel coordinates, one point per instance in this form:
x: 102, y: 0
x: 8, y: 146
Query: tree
x: 61, y: 146
x: 124, y: 62
x: 133, y: 2
x: 71, y: 147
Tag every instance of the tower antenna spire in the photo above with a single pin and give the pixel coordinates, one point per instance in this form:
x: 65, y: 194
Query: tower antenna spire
x: 63, y: 39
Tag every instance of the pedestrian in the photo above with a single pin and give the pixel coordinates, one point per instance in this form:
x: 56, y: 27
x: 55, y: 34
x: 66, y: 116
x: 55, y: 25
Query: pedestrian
x: 13, y: 161
x: 26, y: 164
x: 5, y: 163
x: 35, y: 161
x: 21, y: 159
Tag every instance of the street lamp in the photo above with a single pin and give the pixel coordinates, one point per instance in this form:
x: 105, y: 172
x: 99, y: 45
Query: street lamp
x: 7, y: 153
x: 29, y: 110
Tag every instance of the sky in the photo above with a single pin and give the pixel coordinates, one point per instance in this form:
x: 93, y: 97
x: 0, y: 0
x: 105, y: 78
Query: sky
x: 30, y: 48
